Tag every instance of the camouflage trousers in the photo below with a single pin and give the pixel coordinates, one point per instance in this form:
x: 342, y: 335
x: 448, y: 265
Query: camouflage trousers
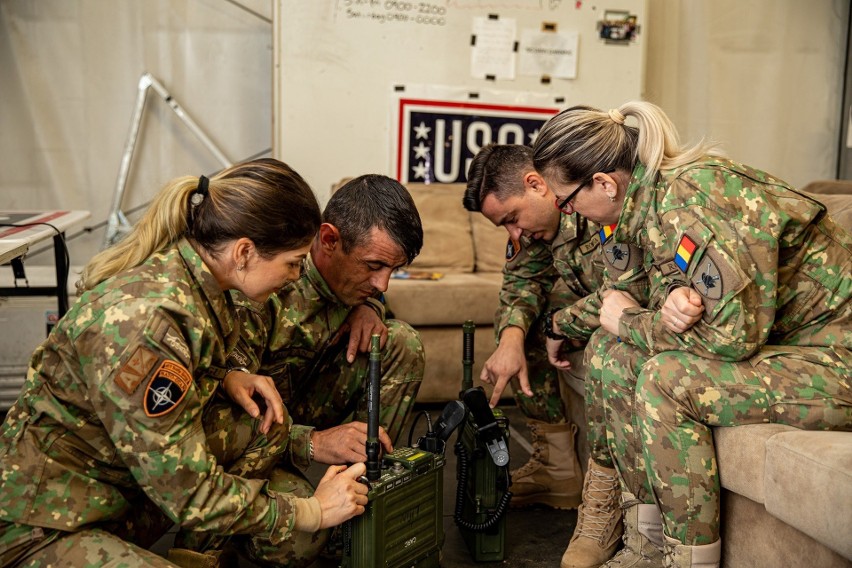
x: 546, y: 404
x: 33, y: 547
x: 328, y: 391
x: 235, y: 441
x: 659, y: 411
x: 233, y: 438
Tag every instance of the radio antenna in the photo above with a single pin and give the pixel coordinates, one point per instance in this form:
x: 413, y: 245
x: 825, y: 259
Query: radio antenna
x: 374, y: 470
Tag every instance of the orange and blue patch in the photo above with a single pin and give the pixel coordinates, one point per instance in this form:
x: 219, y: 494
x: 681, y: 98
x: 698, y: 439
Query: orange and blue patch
x: 685, y: 250
x: 606, y: 232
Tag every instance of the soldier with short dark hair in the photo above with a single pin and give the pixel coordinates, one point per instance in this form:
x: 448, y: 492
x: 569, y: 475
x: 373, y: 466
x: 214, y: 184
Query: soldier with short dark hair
x: 110, y: 416
x: 768, y: 274
x: 313, y: 339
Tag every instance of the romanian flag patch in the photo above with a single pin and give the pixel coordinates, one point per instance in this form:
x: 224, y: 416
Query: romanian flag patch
x: 606, y: 232
x: 685, y: 250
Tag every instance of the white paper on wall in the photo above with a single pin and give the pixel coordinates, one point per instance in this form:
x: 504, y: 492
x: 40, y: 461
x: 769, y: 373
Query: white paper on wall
x: 548, y: 53
x: 492, y: 54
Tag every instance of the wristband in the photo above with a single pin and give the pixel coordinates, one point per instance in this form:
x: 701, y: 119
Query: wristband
x: 240, y: 369
x: 547, y: 325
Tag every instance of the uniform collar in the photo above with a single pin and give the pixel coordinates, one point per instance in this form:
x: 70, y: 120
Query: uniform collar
x: 222, y: 304
x: 568, y: 229
x: 637, y: 203
x: 312, y: 275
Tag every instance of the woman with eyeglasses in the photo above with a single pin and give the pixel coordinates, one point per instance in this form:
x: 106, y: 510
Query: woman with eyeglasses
x: 110, y: 417
x: 767, y: 274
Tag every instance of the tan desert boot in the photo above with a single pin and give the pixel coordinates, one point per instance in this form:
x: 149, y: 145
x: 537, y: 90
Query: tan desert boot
x: 552, y: 476
x: 186, y: 558
x: 598, y: 521
x: 679, y: 555
x: 643, y: 535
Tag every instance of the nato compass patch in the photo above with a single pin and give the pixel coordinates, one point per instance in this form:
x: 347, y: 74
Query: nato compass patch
x: 513, y: 247
x: 707, y: 279
x: 166, y: 389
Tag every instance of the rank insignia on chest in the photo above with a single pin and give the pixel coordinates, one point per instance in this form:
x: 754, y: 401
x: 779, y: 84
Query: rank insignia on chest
x: 167, y: 388
x: 685, y: 250
x: 707, y: 279
x: 606, y: 232
x: 513, y: 247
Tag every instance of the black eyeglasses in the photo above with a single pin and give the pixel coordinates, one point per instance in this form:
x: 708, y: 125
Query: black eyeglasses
x: 561, y: 205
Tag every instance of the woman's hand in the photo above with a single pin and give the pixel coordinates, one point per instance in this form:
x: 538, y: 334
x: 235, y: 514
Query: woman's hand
x: 614, y: 303
x: 682, y: 310
x: 341, y: 496
x: 242, y: 387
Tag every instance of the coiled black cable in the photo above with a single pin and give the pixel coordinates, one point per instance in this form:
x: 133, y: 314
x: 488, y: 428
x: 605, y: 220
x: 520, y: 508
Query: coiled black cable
x: 499, y: 510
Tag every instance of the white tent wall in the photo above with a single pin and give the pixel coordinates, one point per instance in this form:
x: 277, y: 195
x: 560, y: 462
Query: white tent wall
x: 69, y: 71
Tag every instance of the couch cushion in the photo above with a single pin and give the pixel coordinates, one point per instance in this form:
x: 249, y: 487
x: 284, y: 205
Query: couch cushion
x: 741, y: 454
x: 489, y: 244
x: 837, y: 196
x: 447, y: 241
x: 449, y: 301
x: 809, y: 485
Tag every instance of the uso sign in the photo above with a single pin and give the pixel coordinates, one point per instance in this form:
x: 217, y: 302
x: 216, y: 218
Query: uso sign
x: 436, y: 140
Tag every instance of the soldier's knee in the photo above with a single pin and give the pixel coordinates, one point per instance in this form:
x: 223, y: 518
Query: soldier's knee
x: 404, y: 341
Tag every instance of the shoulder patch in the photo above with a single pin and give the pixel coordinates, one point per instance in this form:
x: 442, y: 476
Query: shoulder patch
x: 513, y: 247
x: 617, y: 255
x: 606, y: 232
x: 683, y: 255
x: 137, y: 368
x: 707, y: 279
x: 167, y: 388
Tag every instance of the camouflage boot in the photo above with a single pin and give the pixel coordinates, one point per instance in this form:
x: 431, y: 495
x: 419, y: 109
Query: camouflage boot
x: 186, y: 558
x: 679, y: 555
x: 643, y: 536
x: 552, y: 475
x: 598, y: 521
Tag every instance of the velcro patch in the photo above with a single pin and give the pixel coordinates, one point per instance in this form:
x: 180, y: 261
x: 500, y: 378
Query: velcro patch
x: 513, y: 247
x: 617, y: 255
x: 167, y: 388
x: 606, y: 232
x: 683, y: 255
x: 707, y: 279
x: 137, y: 368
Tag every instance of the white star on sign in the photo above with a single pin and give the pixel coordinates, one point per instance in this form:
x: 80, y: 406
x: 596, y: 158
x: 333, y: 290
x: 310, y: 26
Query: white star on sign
x: 533, y: 135
x: 420, y: 170
x: 422, y: 131
x: 421, y: 151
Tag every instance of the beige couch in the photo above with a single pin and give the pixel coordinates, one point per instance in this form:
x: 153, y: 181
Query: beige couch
x: 787, y: 494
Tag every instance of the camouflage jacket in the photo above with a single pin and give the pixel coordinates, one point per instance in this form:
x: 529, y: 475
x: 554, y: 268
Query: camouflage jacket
x: 284, y: 336
x: 112, y: 408
x: 770, y: 266
x: 568, y: 272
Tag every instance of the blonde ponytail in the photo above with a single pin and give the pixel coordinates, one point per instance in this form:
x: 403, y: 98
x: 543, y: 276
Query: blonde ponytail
x: 581, y: 140
x: 163, y: 223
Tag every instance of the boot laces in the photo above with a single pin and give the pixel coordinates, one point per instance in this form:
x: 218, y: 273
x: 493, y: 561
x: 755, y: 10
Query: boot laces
x: 597, y: 506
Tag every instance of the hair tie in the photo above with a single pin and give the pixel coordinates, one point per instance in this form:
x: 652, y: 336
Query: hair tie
x: 200, y: 192
x: 616, y: 116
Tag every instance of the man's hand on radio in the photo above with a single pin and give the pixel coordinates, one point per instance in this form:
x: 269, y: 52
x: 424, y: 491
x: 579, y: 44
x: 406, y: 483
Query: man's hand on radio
x: 341, y: 496
x: 346, y: 443
x: 507, y: 361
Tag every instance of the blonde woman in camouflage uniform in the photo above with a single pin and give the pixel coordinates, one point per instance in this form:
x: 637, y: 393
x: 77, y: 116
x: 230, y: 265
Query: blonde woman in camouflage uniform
x: 111, y: 411
x: 555, y: 260
x: 312, y: 339
x: 766, y: 275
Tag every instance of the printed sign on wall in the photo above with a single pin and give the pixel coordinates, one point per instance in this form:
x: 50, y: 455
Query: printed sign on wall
x: 436, y: 139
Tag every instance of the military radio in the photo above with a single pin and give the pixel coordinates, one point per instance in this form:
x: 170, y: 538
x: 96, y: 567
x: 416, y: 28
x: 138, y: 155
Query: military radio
x: 482, y: 467
x: 403, y: 522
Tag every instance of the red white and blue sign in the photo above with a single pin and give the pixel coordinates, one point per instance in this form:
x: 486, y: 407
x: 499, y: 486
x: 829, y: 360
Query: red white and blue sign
x: 437, y: 139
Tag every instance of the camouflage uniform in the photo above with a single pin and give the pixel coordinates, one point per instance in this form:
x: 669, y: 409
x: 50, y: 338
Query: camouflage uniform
x: 112, y: 411
x: 295, y: 339
x: 774, y: 343
x: 538, y: 276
